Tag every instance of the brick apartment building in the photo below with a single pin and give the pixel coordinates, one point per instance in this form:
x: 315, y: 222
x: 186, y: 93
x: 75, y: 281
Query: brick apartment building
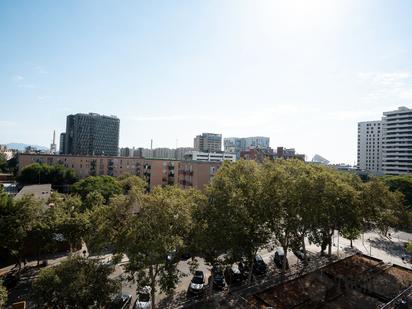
x: 185, y: 174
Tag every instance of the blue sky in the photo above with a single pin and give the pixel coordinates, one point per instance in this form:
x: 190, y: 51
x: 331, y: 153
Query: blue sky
x: 301, y: 72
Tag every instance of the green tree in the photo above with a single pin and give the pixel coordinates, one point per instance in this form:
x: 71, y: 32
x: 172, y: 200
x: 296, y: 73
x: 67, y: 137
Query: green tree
x: 68, y: 218
x: 38, y: 173
x: 93, y: 199
x: 3, y: 296
x: 107, y: 186
x: 338, y: 209
x: 72, y: 223
x: 75, y: 283
x: 408, y: 247
x: 234, y: 220
x: 282, y: 202
x: 41, y: 234
x: 17, y: 218
x: 381, y: 208
x: 109, y: 225
x: 129, y: 182
x: 160, y: 227
x: 402, y: 184
x: 3, y: 163
x: 12, y: 165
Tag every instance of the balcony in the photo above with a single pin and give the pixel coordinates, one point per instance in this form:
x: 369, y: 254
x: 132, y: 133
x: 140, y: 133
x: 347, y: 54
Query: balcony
x: 186, y: 183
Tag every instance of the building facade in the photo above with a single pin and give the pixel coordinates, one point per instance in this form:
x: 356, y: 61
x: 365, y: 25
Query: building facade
x: 257, y: 154
x: 92, y: 134
x: 185, y: 174
x: 288, y: 153
x: 369, y: 155
x: 164, y: 153
x: 208, y: 142
x: 181, y: 151
x: 397, y: 141
x: 260, y: 154
x: 209, y: 156
x: 62, y: 143
x: 236, y: 144
x: 126, y: 152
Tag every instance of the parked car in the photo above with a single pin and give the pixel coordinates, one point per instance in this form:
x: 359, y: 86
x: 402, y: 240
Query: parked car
x: 259, y: 266
x: 197, y: 283
x: 11, y: 280
x: 185, y: 255
x: 244, y: 269
x: 218, y: 279
x: 279, y: 257
x: 121, y: 301
x: 143, y: 299
x: 300, y: 254
x: 233, y: 274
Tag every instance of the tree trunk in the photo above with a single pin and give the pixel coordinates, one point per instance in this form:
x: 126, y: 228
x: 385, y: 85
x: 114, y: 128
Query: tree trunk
x: 153, y: 285
x: 285, y: 259
x: 351, y: 244
x: 330, y: 244
x: 38, y: 257
x: 19, y: 262
x: 305, y: 261
x: 211, y: 283
x: 338, y: 245
x: 249, y: 279
x: 211, y: 280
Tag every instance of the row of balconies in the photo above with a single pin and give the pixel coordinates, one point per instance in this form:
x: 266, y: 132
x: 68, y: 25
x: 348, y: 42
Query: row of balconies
x: 186, y: 172
x: 186, y: 182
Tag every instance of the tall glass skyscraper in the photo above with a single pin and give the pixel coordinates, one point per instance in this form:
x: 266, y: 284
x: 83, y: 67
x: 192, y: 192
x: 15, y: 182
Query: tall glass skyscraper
x: 92, y: 134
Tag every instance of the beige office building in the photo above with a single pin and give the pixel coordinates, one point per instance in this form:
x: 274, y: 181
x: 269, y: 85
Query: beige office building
x: 157, y: 172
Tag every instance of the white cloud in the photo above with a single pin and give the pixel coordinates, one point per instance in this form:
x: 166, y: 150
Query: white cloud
x: 387, y: 85
x: 43, y: 97
x: 6, y: 124
x: 17, y: 78
x: 40, y: 69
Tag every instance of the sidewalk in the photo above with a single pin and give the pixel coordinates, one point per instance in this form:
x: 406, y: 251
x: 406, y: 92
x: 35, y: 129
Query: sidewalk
x: 53, y: 259
x: 389, y: 250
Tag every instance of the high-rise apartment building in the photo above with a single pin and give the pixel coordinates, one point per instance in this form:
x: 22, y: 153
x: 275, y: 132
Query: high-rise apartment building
x: 236, y: 144
x: 62, y: 143
x: 208, y: 142
x: 397, y: 141
x: 92, y: 134
x: 370, y: 146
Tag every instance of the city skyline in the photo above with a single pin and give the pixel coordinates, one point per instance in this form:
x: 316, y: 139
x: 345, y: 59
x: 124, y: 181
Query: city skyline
x: 302, y: 75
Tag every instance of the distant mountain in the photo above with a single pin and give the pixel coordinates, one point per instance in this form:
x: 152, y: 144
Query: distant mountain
x: 22, y: 147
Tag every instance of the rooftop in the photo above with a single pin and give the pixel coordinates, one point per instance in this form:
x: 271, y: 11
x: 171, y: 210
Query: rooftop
x: 357, y: 281
x: 39, y: 191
